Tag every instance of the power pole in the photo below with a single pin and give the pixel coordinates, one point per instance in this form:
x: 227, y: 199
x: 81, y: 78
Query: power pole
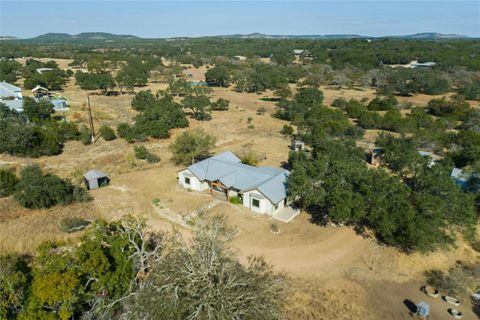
x: 90, y: 119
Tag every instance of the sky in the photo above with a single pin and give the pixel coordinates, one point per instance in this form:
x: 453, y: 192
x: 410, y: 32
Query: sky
x: 160, y: 19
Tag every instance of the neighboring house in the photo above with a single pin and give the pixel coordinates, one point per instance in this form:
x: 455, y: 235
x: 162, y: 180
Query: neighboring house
x: 11, y: 96
x: 262, y: 189
x: 39, y: 91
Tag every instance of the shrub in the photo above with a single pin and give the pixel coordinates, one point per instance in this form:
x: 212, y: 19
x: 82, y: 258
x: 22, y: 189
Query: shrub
x: 142, y: 153
x: 235, y: 200
x: 249, y: 120
x: 72, y: 224
x: 8, y: 181
x: 107, y: 133
x: 340, y: 103
x: 85, y: 136
x: 378, y: 104
x: 250, y: 158
x: 287, y: 130
x: 261, y: 111
x: 220, y: 105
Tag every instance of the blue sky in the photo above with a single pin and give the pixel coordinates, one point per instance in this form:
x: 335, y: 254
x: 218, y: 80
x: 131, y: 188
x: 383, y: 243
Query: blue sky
x: 198, y: 18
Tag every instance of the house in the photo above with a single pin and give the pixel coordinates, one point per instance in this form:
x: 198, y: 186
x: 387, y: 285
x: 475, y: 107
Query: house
x: 261, y: 189
x: 11, y: 96
x: 95, y: 179
x: 298, y: 52
x: 424, y: 65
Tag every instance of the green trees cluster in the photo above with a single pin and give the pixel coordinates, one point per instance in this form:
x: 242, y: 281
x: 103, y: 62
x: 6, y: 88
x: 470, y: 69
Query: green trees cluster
x: 192, y: 145
x: 33, y: 133
x: 36, y: 190
x: 157, y: 115
x: 53, y: 79
x: 9, y: 70
x: 134, y: 73
x: 416, y: 207
x: 120, y: 270
x: 102, y: 80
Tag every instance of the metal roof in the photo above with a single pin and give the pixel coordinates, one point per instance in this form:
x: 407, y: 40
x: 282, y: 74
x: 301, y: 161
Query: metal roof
x: 16, y: 105
x: 227, y: 168
x: 94, y: 174
x: 8, y: 90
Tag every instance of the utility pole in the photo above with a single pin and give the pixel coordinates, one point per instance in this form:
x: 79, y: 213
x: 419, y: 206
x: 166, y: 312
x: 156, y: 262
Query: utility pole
x: 90, y: 119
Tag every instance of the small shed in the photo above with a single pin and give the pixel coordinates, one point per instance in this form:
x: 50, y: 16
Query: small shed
x: 95, y: 179
x: 376, y: 157
x: 297, y: 145
x: 423, y: 310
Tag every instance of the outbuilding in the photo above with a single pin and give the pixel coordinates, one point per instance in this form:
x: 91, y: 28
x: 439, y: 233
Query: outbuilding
x: 95, y: 179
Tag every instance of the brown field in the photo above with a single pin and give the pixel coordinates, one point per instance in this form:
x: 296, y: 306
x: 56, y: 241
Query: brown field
x: 336, y: 273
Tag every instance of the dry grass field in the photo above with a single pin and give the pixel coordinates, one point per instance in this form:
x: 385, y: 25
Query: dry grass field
x: 336, y: 273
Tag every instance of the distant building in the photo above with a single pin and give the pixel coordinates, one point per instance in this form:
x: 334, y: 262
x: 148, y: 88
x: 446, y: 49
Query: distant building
x: 459, y: 177
x: 39, y: 91
x: 424, y: 65
x: 298, y: 52
x: 42, y: 70
x: 11, y: 96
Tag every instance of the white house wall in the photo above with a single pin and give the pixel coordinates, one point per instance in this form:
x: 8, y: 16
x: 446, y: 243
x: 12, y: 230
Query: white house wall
x: 266, y: 207
x: 195, y: 183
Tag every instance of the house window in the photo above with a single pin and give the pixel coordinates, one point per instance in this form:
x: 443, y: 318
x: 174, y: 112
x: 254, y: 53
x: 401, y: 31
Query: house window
x: 187, y: 180
x: 256, y: 203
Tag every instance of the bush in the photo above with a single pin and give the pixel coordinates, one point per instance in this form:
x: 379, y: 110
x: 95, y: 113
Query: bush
x: 37, y: 190
x: 340, y: 103
x: 8, y: 181
x: 142, y: 153
x: 250, y: 158
x: 261, y: 111
x: 220, y: 105
x: 72, y: 224
x: 235, y: 200
x: 107, y: 133
x: 85, y: 136
x: 287, y: 130
x: 378, y: 104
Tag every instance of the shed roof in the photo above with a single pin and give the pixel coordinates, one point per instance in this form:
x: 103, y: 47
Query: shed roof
x: 94, y: 174
x: 228, y: 169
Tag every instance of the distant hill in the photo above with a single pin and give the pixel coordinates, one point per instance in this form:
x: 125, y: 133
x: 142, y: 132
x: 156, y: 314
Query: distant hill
x: 103, y: 36
x: 8, y: 38
x: 54, y: 37
x: 420, y: 36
